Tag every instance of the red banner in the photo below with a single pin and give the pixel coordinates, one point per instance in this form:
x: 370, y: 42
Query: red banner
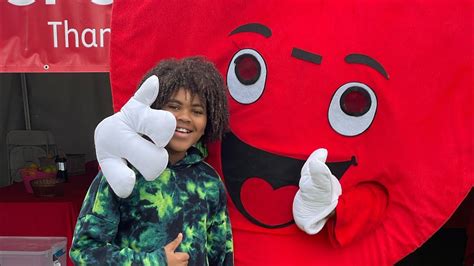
x: 54, y: 35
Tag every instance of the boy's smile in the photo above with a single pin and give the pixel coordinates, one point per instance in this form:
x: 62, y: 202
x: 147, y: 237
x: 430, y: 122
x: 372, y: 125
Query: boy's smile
x: 191, y: 119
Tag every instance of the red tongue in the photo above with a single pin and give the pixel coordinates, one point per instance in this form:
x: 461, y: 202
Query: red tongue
x: 268, y: 206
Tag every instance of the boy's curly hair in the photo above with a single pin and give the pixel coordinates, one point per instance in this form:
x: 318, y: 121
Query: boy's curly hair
x: 201, y: 78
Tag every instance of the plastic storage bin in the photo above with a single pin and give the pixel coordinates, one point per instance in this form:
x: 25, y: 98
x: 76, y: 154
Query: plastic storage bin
x: 32, y: 251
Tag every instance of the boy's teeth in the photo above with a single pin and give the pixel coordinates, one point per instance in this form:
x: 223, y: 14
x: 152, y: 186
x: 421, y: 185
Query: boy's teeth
x: 182, y: 130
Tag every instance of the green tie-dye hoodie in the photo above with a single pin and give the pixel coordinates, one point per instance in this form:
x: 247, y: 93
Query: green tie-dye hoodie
x: 188, y: 197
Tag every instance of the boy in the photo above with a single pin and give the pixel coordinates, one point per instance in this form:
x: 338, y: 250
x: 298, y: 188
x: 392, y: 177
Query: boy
x: 185, y: 203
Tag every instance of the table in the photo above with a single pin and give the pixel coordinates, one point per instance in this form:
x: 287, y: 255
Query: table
x: 23, y: 214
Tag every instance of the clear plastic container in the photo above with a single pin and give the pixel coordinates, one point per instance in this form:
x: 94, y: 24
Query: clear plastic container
x: 32, y: 251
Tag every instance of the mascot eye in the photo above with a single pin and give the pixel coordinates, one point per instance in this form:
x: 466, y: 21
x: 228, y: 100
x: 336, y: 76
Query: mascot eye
x: 355, y: 101
x: 246, y: 76
x: 352, y: 109
x: 247, y: 69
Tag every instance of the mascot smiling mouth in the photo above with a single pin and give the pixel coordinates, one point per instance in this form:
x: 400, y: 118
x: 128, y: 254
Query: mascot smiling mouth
x: 262, y: 185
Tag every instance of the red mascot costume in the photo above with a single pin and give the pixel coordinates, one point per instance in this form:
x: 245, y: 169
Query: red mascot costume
x: 386, y: 87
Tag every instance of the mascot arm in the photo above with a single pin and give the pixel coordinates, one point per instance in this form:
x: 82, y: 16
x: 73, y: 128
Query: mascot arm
x: 118, y: 139
x: 360, y: 209
x: 320, y: 201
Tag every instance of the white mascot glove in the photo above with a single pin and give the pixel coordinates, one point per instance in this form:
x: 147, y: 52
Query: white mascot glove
x: 117, y: 138
x: 318, y: 194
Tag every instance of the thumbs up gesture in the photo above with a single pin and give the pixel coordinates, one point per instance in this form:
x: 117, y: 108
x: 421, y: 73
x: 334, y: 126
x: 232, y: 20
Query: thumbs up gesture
x: 318, y: 194
x: 176, y: 258
x: 118, y: 140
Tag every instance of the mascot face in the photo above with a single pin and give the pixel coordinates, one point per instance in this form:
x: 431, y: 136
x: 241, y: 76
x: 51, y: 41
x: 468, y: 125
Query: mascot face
x: 275, y: 125
x: 385, y: 88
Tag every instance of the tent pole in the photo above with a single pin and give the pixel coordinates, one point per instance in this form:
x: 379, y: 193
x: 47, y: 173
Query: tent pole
x: 26, y: 108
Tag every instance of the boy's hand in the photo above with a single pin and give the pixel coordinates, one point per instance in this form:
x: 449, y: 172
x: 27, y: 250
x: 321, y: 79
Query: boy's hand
x: 176, y: 258
x: 318, y: 194
x: 117, y: 139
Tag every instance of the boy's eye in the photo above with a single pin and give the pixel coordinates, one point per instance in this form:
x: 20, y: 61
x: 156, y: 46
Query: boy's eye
x: 198, y: 112
x: 172, y: 107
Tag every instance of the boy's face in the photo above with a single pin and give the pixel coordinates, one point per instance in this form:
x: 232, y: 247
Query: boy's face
x: 191, y: 119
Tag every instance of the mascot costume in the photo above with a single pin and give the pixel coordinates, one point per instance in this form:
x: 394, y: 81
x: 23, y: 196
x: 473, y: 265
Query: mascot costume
x: 351, y: 122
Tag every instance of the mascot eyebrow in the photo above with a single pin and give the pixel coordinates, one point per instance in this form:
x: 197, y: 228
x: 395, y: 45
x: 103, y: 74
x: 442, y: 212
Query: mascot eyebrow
x: 309, y: 56
x: 267, y: 33
x: 368, y: 61
x: 253, y: 27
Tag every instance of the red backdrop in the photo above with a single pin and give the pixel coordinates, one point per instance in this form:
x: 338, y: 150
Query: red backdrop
x: 54, y: 36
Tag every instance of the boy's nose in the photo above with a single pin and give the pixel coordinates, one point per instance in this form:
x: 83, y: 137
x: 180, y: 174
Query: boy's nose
x: 184, y: 116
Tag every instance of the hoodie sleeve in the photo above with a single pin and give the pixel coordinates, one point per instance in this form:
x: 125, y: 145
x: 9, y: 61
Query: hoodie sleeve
x: 219, y: 234
x: 96, y: 230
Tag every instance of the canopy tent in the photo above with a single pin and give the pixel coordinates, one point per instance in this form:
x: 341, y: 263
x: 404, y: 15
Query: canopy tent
x: 54, y: 64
